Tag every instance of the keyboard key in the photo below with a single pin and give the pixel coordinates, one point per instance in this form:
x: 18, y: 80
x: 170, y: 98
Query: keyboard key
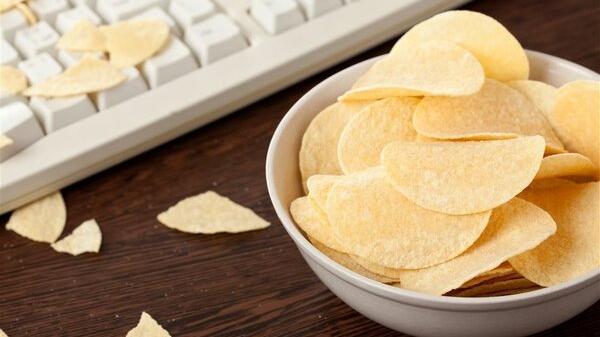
x: 36, y: 39
x: 8, y: 54
x: 39, y: 68
x: 189, y: 12
x: 47, y: 10
x: 67, y: 19
x: 173, y: 61
x: 134, y: 86
x: 276, y: 16
x: 157, y: 13
x: 118, y: 10
x: 68, y: 58
x: 18, y: 123
x: 10, y: 22
x: 7, y: 98
x: 215, y: 38
x: 314, y: 8
x: 55, y: 113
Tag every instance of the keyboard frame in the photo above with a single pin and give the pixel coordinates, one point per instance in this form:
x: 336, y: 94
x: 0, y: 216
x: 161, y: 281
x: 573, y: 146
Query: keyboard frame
x: 204, y: 95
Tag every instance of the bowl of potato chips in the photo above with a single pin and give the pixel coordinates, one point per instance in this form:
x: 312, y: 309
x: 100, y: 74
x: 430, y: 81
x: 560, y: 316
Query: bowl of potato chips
x: 450, y: 187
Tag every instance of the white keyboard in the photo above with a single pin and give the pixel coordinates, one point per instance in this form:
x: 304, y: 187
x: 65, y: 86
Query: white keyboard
x: 221, y: 56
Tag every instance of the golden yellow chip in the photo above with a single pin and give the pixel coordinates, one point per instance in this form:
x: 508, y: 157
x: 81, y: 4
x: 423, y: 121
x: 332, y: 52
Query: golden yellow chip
x: 565, y: 165
x: 576, y: 118
x: 89, y: 75
x: 131, y: 42
x: 463, y: 177
x: 5, y: 141
x: 379, y: 224
x: 310, y: 221
x: 496, y: 112
x: 372, y: 128
x: 514, y: 228
x: 504, y: 270
x: 318, y: 154
x: 42, y: 220
x: 549, y: 183
x: 86, y: 238
x: 542, y: 95
x: 348, y: 262
x: 498, y: 288
x: 431, y: 68
x: 498, y: 51
x: 574, y: 249
x: 12, y: 80
x: 84, y: 36
x: 395, y: 273
x: 318, y: 190
x: 210, y: 213
x: 148, y: 327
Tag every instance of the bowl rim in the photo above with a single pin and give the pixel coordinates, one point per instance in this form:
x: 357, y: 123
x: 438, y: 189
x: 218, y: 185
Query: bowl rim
x: 399, y: 294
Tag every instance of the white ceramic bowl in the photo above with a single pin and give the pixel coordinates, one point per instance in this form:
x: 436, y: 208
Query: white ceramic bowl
x: 403, y: 310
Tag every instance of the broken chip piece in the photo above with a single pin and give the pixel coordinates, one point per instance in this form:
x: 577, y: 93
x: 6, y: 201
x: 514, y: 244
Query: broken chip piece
x: 42, y: 220
x: 148, y: 327
x: 131, y: 42
x: 86, y: 238
x: 210, y: 213
x: 12, y: 80
x: 83, y: 37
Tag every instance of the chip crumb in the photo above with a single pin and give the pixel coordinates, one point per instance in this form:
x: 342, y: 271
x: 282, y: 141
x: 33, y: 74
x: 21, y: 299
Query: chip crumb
x: 42, y: 220
x: 210, y: 213
x: 148, y: 327
x: 86, y: 238
x: 12, y: 80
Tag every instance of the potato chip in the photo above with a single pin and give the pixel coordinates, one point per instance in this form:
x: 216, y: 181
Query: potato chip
x: 395, y: 273
x: 318, y: 189
x: 89, y: 75
x: 463, y: 177
x: 565, y: 165
x: 148, y: 327
x: 210, y: 213
x: 12, y: 80
x: 431, y: 68
x: 318, y: 153
x: 86, y: 238
x: 3, y: 334
x: 498, y: 288
x: 8, y: 4
x: 84, y: 36
x: 131, y: 42
x: 379, y: 224
x: 496, y: 112
x: 425, y: 139
x: 372, y: 128
x: 504, y: 270
x: 314, y: 225
x: 5, y: 141
x: 514, y: 228
x: 42, y: 220
x: 549, y: 183
x: 498, y: 51
x: 348, y: 262
x: 542, y: 95
x: 576, y: 118
x: 574, y: 249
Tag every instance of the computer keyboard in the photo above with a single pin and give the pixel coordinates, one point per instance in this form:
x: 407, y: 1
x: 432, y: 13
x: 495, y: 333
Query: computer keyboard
x: 221, y: 56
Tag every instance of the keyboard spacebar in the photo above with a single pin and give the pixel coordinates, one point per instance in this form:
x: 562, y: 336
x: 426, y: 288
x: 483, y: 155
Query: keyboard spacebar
x: 196, y: 99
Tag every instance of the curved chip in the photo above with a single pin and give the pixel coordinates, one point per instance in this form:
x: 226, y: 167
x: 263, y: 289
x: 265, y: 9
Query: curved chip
x: 42, y: 220
x: 574, y: 250
x: 431, y: 68
x: 576, y: 118
x: 8, y: 4
x: 566, y: 165
x: 542, y: 95
x: 498, y: 288
x: 498, y: 51
x: 371, y: 129
x: 86, y: 238
x: 497, y: 111
x: 84, y: 36
x: 148, y: 327
x: 550, y: 183
x: 463, y: 177
x: 89, y: 75
x: 12, y: 80
x: 318, y: 189
x: 318, y: 153
x: 514, y: 228
x: 210, y: 213
x: 310, y: 221
x: 131, y: 42
x: 379, y: 224
x: 504, y: 270
x: 348, y: 262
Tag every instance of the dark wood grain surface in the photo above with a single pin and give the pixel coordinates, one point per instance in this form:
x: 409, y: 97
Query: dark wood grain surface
x: 223, y: 285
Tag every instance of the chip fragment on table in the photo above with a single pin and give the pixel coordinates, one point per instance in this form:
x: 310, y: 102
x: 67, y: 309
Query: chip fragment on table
x: 148, y: 327
x: 42, y: 220
x: 86, y: 238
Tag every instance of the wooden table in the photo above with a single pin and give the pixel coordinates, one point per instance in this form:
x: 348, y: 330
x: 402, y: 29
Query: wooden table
x: 223, y: 285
